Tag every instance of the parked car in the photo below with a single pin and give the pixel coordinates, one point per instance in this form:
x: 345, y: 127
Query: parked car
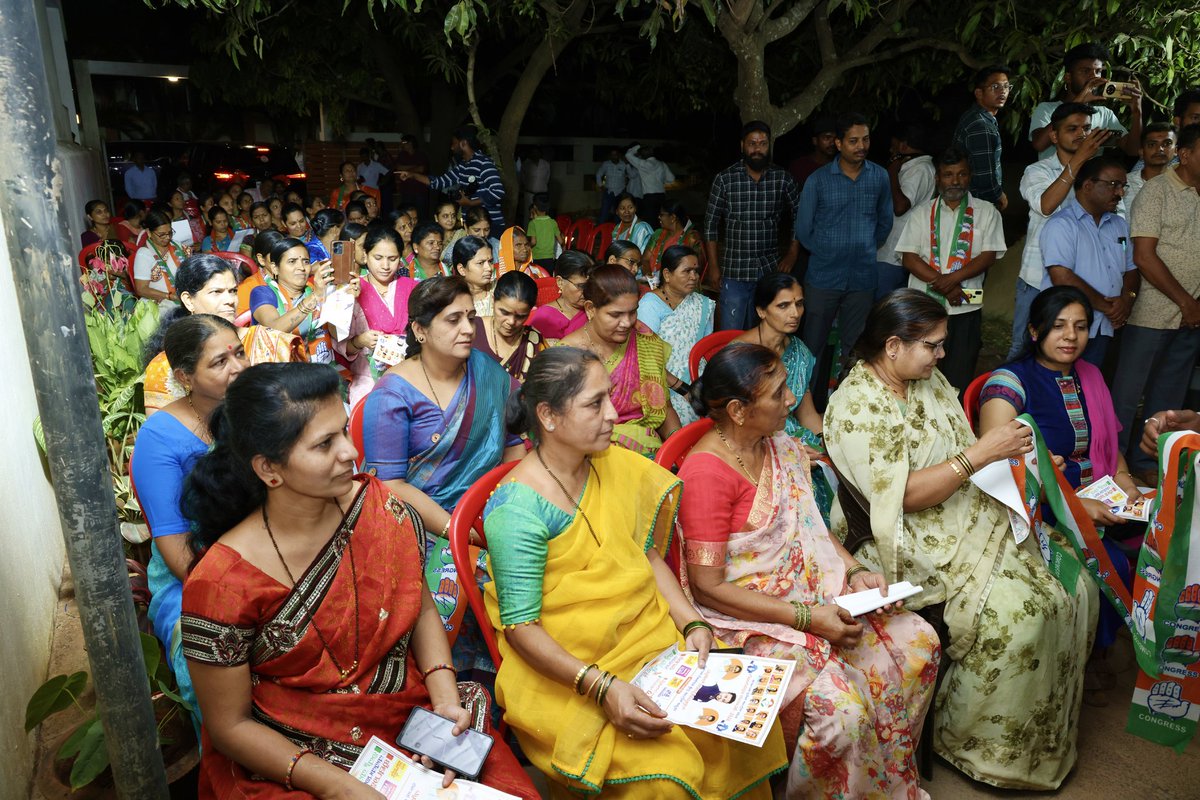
x: 212, y: 165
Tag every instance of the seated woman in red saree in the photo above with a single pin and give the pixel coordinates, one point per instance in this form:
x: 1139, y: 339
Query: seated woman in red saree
x: 635, y: 361
x: 306, y: 623
x: 763, y: 569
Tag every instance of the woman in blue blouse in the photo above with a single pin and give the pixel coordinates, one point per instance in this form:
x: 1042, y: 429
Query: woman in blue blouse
x: 206, y: 355
x: 1070, y: 402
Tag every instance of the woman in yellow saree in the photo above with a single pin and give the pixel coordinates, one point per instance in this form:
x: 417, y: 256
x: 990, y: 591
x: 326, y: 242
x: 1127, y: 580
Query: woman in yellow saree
x: 584, y: 599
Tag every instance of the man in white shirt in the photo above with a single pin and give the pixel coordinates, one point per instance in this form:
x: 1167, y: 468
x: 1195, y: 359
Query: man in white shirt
x: 1083, y: 82
x: 369, y: 168
x: 1045, y: 185
x: 655, y: 175
x: 610, y: 180
x: 1158, y: 151
x: 947, y: 245
x: 913, y: 179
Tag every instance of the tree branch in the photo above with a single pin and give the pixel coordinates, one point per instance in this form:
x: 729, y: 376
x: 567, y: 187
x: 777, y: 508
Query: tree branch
x: 882, y: 31
x: 775, y: 29
x: 964, y: 55
x: 825, y: 35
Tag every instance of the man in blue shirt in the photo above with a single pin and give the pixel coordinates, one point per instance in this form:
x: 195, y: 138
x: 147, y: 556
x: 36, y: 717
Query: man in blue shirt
x: 845, y: 215
x: 1086, y: 244
x: 141, y: 182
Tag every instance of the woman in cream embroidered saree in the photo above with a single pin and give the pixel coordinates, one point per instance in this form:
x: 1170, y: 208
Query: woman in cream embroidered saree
x: 1007, y: 711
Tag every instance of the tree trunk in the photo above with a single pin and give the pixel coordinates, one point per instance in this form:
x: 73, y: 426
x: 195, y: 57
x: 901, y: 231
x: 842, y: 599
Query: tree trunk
x: 382, y: 52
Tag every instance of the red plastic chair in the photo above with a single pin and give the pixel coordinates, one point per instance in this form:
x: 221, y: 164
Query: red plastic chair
x: 600, y: 239
x: 971, y: 399
x: 670, y: 456
x: 87, y: 251
x: 249, y: 265
x: 564, y: 223
x: 468, y: 515
x: 356, y: 429
x: 547, y: 291
x: 577, y: 235
x: 706, y: 348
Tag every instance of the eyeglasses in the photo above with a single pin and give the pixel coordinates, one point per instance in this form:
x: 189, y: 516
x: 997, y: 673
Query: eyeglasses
x: 999, y: 87
x: 161, y: 234
x: 1116, y: 186
x: 633, y: 262
x: 935, y: 346
x: 579, y: 286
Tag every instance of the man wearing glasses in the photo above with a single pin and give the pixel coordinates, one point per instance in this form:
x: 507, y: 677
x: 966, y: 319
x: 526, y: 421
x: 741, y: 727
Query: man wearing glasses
x: 947, y: 245
x: 1045, y: 185
x: 1086, y: 244
x: 978, y: 135
x: 1083, y: 82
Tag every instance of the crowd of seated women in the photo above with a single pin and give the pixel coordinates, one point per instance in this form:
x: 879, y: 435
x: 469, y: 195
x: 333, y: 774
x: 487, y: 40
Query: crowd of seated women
x: 307, y: 597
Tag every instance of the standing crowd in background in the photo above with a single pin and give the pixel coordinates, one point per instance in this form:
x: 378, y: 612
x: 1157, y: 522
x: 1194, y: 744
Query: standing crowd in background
x: 324, y: 394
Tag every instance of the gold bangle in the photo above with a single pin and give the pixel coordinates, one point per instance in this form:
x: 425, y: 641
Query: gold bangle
x: 594, y: 682
x: 957, y: 470
x: 579, y: 676
x: 803, y: 616
x: 966, y: 463
x: 857, y: 568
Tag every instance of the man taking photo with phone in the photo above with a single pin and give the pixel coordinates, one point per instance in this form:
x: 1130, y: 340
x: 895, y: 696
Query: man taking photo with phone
x: 1084, y: 82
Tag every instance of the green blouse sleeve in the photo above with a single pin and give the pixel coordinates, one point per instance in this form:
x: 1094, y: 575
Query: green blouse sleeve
x: 519, y: 525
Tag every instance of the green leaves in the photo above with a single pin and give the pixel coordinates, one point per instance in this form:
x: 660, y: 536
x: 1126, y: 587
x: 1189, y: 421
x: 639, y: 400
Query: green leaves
x: 87, y: 745
x: 53, y: 696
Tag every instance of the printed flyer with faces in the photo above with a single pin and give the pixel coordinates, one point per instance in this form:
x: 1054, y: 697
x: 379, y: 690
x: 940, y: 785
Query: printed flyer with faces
x: 396, y: 777
x: 734, y: 696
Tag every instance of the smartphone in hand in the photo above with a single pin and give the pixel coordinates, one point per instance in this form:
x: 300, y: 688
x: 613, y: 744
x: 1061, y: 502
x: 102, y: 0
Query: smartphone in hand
x: 428, y: 734
x: 343, y: 261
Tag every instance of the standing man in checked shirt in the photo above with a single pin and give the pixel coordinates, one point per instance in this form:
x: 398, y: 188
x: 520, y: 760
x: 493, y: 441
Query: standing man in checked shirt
x: 475, y: 176
x: 845, y: 216
x: 747, y: 202
x: 978, y: 135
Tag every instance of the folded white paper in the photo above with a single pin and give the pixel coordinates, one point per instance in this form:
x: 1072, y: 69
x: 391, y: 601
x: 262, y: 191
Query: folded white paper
x: 859, y: 603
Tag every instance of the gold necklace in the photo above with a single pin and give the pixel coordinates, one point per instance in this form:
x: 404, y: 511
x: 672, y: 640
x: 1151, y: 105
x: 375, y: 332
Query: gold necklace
x: 206, y: 436
x: 902, y: 394
x: 496, y: 339
x: 432, y: 390
x: 575, y: 503
x: 741, y: 463
x: 347, y: 672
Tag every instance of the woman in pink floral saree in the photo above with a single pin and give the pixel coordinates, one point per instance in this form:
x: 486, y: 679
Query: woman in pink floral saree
x: 763, y: 569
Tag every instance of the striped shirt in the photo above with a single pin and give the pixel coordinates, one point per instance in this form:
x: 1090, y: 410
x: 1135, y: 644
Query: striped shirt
x: 750, y: 212
x: 479, y: 179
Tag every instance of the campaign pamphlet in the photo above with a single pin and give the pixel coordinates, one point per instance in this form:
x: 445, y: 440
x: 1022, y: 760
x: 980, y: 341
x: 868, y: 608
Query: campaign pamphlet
x: 338, y: 311
x: 1106, y: 491
x: 238, y: 237
x: 181, y: 232
x: 859, y: 603
x: 390, y: 349
x: 734, y: 696
x: 397, y: 777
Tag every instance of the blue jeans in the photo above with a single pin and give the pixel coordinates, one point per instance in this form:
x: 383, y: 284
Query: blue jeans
x: 1020, y: 332
x: 735, y: 307
x: 889, y: 278
x: 608, y: 203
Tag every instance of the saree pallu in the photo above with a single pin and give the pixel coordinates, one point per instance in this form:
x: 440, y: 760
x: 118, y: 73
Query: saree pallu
x: 505, y: 260
x: 660, y: 241
x: 263, y: 346
x: 234, y: 614
x: 638, y: 369
x: 601, y: 604
x: 681, y: 328
x: 799, y: 362
x: 853, y: 714
x: 520, y: 359
x: 471, y: 444
x: 1007, y: 711
x: 317, y: 341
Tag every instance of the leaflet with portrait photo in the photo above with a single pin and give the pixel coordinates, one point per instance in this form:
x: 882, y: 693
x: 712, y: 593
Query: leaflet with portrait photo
x: 397, y: 777
x: 734, y: 696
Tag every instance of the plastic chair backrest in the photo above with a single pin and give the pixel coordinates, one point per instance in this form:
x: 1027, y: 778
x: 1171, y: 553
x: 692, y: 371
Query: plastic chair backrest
x: 356, y: 429
x: 87, y: 251
x: 670, y: 456
x: 577, y: 234
x: 468, y: 514
x: 249, y: 265
x: 547, y: 291
x: 971, y: 399
x: 600, y: 239
x: 564, y: 223
x: 706, y: 348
